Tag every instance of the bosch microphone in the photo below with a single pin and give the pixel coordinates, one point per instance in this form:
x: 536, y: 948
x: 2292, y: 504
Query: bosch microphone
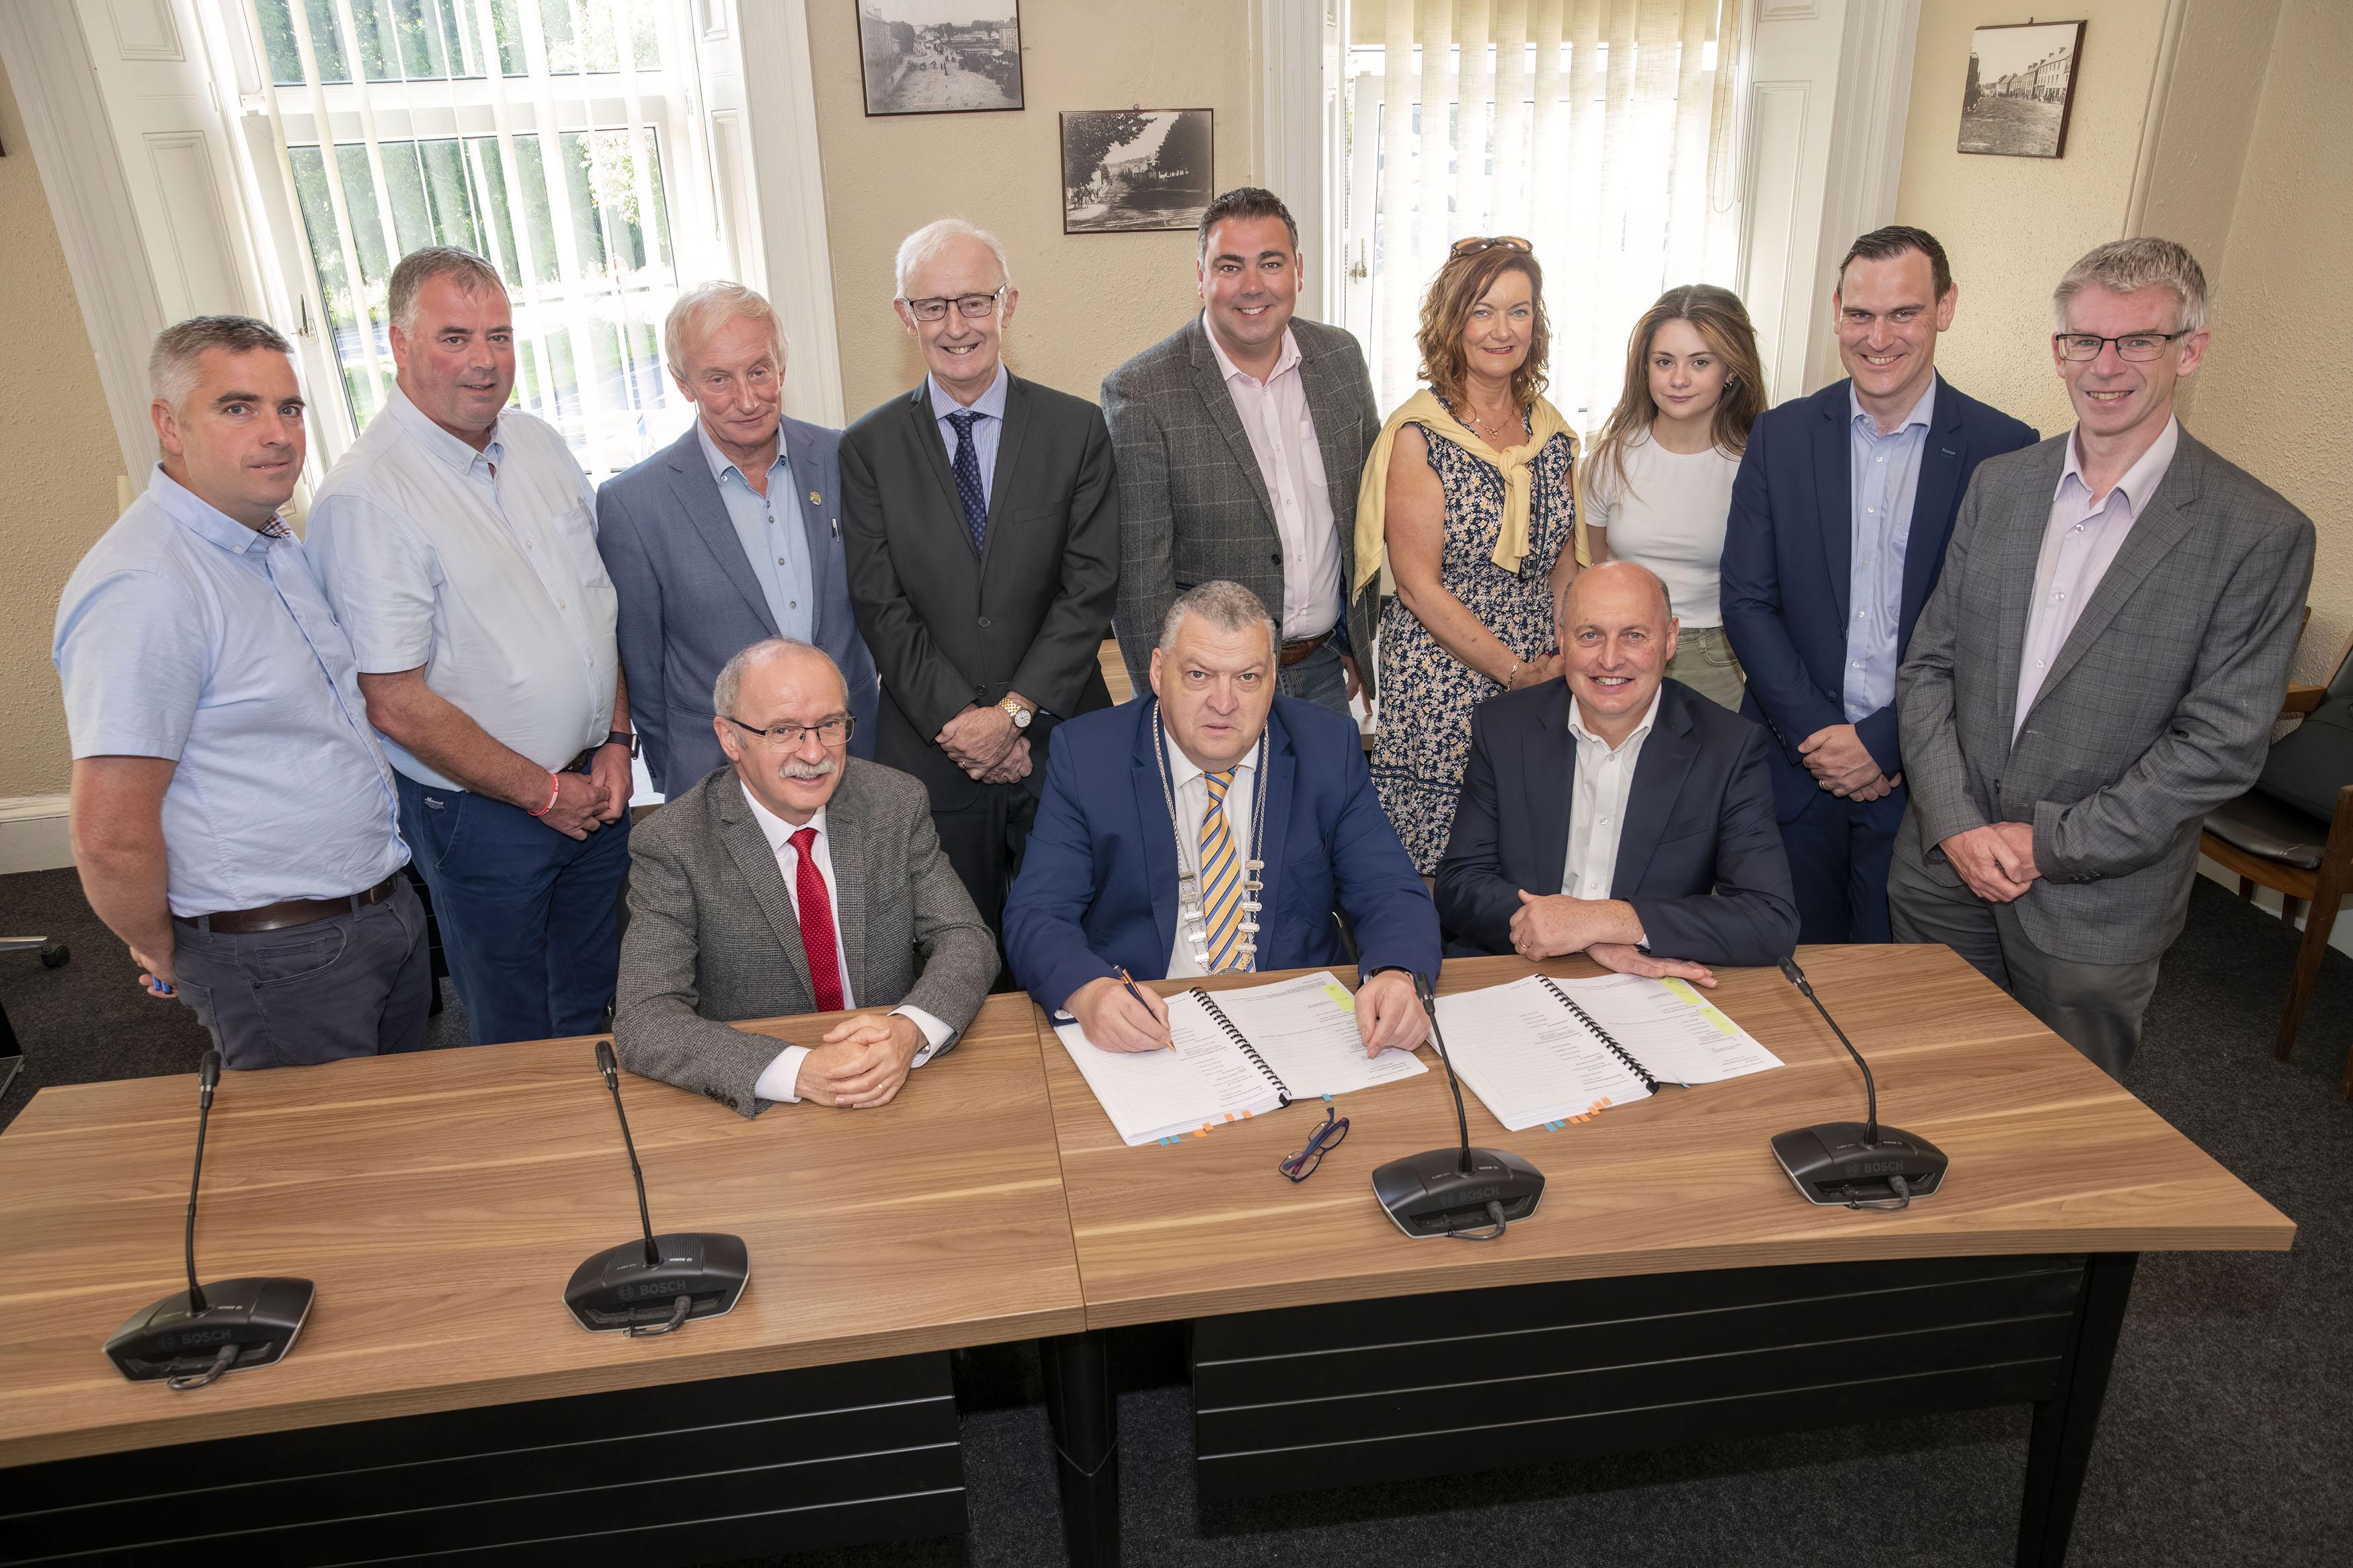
x: 1861, y: 1165
x: 1471, y: 1193
x: 190, y: 1338
x: 654, y: 1285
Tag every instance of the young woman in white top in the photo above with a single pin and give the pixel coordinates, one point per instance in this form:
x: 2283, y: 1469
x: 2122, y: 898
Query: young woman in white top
x: 1658, y: 483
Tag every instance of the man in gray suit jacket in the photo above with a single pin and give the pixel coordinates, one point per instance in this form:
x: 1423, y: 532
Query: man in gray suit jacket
x: 802, y: 881
x: 1241, y: 440
x: 2098, y: 667
x: 729, y: 536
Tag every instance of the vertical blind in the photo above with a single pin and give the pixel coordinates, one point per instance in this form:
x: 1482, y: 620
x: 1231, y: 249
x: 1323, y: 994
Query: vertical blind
x: 1602, y: 130
x: 553, y: 137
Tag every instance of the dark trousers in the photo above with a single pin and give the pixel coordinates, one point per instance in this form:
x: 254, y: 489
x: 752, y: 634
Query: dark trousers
x: 1839, y: 854
x: 530, y: 919
x: 356, y: 984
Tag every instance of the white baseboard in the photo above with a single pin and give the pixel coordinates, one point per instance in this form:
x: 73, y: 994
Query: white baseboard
x: 2340, y: 935
x: 33, y: 836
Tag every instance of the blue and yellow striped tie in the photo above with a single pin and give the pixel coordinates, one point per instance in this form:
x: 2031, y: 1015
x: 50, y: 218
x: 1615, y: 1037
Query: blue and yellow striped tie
x: 1221, y: 879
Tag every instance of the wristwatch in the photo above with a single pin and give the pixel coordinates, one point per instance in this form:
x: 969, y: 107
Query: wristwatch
x: 623, y: 738
x: 1015, y: 711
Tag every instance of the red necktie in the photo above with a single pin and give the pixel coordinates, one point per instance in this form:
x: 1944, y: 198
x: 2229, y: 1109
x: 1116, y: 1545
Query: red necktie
x: 817, y: 924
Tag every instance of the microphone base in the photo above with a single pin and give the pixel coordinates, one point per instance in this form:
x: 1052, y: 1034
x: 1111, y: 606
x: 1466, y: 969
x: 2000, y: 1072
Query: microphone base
x: 617, y: 1289
x: 1428, y: 1194
x: 1834, y: 1163
x: 261, y: 1317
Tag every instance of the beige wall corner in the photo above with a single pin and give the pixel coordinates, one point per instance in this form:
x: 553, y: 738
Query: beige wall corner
x: 57, y: 464
x: 1088, y: 301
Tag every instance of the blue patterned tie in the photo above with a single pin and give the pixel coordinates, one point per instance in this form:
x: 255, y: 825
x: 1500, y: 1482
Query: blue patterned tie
x: 967, y: 478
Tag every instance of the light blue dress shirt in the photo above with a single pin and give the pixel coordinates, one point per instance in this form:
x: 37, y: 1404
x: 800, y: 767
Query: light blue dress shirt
x: 774, y: 540
x: 1885, y: 479
x: 985, y: 431
x: 185, y: 634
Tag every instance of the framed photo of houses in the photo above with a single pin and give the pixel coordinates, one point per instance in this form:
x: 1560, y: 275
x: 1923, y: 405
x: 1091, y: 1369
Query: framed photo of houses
x: 1131, y: 170
x: 940, y: 56
x: 2021, y: 88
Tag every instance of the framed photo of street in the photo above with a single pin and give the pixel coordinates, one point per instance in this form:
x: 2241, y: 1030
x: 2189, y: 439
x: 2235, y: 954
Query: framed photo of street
x: 1136, y: 171
x: 2021, y: 88
x: 940, y: 56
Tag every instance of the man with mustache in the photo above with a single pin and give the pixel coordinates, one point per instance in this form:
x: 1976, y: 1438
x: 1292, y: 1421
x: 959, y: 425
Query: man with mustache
x: 799, y: 879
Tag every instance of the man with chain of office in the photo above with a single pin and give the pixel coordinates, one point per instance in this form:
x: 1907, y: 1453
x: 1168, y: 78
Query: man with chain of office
x: 1214, y: 826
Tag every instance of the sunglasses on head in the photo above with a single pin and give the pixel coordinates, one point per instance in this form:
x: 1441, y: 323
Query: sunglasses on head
x: 1472, y: 244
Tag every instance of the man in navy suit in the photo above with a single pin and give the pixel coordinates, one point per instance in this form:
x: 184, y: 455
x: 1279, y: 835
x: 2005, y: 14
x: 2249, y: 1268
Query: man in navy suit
x: 1615, y: 813
x: 1840, y: 516
x: 1215, y: 827
x: 727, y: 537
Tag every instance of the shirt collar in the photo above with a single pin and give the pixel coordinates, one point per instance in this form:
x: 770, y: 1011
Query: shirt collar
x: 1182, y: 768
x: 2140, y: 481
x: 206, y: 520
x: 1284, y: 362
x: 439, y: 442
x: 1922, y: 412
x: 990, y: 403
x: 721, y: 465
x: 775, y: 829
x: 1650, y: 716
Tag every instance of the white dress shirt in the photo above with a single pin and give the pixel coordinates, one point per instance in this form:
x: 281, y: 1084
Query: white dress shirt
x: 1192, y: 792
x: 1282, y: 434
x: 478, y: 567
x: 782, y: 1076
x: 2079, y: 544
x: 1597, y: 801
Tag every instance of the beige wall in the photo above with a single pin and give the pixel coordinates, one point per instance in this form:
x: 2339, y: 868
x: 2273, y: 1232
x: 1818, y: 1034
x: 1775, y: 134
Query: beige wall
x: 58, y: 464
x: 1088, y: 302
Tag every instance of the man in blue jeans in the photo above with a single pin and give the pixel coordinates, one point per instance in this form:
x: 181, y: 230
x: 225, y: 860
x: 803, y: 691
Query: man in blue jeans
x: 457, y: 542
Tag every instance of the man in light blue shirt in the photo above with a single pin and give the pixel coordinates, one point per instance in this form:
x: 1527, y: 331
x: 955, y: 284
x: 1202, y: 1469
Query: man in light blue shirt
x: 778, y: 551
x: 234, y: 820
x: 1886, y: 473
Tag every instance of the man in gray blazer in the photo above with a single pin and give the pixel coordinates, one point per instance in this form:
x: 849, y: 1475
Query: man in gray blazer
x: 801, y: 879
x: 1241, y: 440
x: 2098, y: 667
x: 729, y: 536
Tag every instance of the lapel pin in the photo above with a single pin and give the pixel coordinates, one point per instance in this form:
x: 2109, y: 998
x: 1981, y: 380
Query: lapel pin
x: 815, y: 499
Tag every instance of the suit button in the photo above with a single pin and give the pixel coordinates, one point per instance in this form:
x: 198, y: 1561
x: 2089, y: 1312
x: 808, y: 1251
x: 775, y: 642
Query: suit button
x: 1277, y: 558
x: 983, y: 623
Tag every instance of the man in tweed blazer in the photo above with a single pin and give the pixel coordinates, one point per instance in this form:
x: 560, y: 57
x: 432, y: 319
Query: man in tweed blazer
x: 2098, y: 667
x: 1239, y: 441
x: 801, y: 879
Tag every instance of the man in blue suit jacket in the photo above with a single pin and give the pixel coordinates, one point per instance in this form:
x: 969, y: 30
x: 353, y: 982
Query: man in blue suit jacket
x: 726, y: 538
x: 1218, y: 781
x: 1615, y: 813
x: 1839, y: 517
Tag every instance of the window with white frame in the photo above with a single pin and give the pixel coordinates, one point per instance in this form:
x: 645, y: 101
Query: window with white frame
x: 1600, y: 130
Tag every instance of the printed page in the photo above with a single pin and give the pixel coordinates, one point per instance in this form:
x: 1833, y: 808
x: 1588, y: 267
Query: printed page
x: 1528, y: 1059
x: 1151, y: 1095
x: 1672, y: 1028
x: 1306, y: 1029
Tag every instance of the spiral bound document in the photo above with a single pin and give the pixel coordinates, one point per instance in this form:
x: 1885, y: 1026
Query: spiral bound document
x: 1542, y: 1050
x: 1239, y: 1054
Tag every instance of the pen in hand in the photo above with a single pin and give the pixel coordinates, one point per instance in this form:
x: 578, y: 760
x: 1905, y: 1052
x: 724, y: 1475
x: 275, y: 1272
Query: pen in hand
x: 1129, y: 981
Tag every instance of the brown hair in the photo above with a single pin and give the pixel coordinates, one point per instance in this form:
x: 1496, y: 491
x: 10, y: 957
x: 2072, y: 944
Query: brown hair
x: 1722, y: 321
x: 1459, y: 285
x: 1888, y: 243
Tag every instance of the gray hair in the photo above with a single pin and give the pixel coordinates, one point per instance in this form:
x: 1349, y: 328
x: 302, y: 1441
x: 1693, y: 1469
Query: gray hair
x: 171, y: 362
x: 1666, y: 600
x: 1227, y: 607
x: 728, y: 689
x: 929, y: 240
x: 418, y: 267
x: 2126, y: 266
x: 707, y: 307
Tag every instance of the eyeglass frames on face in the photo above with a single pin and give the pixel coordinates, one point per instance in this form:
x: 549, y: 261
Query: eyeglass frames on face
x: 1473, y: 244
x: 2138, y: 347
x: 973, y: 307
x: 830, y: 732
x: 1321, y: 1141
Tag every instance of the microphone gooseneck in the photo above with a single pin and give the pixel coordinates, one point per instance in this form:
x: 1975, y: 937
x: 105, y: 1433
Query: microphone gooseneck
x: 1438, y: 1037
x: 605, y: 1065
x: 1796, y: 977
x: 207, y: 1080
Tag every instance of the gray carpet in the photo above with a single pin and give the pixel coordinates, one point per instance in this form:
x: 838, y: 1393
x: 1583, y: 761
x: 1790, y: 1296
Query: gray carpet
x: 2225, y: 1438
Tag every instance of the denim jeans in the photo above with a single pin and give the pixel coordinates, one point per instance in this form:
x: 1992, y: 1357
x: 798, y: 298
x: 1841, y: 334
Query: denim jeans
x: 1320, y: 677
x: 356, y: 984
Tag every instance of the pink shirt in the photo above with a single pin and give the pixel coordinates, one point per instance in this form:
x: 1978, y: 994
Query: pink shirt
x: 2079, y: 545
x: 1282, y: 438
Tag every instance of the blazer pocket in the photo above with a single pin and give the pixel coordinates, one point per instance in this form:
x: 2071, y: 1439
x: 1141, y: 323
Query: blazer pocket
x: 1028, y: 516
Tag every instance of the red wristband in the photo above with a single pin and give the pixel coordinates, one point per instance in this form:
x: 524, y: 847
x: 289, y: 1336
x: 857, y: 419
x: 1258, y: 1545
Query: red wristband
x: 555, y: 788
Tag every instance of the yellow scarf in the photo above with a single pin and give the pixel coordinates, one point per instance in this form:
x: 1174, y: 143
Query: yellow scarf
x: 1424, y: 409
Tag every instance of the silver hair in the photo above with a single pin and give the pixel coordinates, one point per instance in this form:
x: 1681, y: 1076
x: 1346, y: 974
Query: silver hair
x: 2126, y: 266
x: 418, y: 267
x: 728, y: 689
x: 1227, y: 607
x: 1666, y: 600
x: 707, y: 307
x: 926, y: 242
x: 172, y: 364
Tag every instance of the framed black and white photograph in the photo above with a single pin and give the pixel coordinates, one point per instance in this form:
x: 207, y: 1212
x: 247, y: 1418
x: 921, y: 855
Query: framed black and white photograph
x: 1129, y: 171
x: 940, y: 56
x: 2021, y: 88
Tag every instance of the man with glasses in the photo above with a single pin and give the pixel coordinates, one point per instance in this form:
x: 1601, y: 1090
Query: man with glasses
x: 981, y: 521
x: 801, y: 879
x: 2098, y: 668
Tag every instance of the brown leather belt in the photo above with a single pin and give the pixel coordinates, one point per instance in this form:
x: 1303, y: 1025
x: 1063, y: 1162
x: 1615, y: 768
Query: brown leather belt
x: 1300, y: 647
x: 292, y: 912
